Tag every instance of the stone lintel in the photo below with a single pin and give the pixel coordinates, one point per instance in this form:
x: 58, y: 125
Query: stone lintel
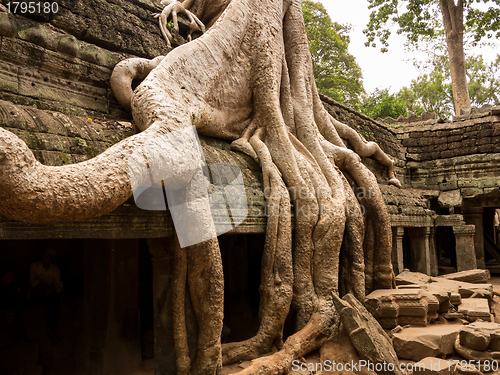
x: 464, y: 230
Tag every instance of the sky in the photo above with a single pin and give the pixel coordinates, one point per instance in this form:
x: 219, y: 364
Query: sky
x: 392, y: 69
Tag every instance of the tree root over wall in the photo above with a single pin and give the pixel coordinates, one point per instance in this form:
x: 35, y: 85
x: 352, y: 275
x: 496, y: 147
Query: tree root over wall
x: 248, y: 79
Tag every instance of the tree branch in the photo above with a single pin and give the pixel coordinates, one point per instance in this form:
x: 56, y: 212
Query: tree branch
x: 445, y: 11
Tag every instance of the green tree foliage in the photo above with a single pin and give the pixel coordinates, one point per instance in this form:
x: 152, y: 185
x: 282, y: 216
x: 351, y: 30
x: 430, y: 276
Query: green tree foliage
x: 381, y: 103
x: 336, y: 72
x: 432, y: 91
x: 420, y: 19
x: 484, y: 81
x: 423, y: 20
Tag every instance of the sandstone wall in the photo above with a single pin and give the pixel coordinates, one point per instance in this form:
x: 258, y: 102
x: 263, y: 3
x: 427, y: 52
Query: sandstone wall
x: 54, y: 83
x: 461, y: 155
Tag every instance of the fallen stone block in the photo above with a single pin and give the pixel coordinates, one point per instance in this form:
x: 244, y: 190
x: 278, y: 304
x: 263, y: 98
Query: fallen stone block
x: 407, y: 278
x: 393, y: 307
x: 440, y: 285
x: 458, y: 290
x: 474, y: 339
x: 476, y: 290
x: 475, y: 308
x: 443, y: 298
x: 455, y: 315
x: 342, y: 352
x: 490, y: 357
x: 481, y: 336
x: 409, y: 286
x: 416, y: 343
x: 438, y: 366
x: 471, y: 276
x: 366, y: 334
x: 455, y: 299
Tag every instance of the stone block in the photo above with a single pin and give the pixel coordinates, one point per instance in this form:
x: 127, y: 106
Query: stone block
x: 476, y: 290
x: 450, y: 198
x: 449, y: 153
x: 407, y: 277
x: 471, y: 276
x: 475, y: 308
x: 454, y: 315
x: 443, y: 299
x: 405, y: 306
x: 416, y: 343
x: 474, y: 339
x: 471, y: 192
x: 455, y: 298
x: 481, y: 336
x: 454, y: 138
x: 367, y: 336
x: 450, y: 185
x: 487, y: 148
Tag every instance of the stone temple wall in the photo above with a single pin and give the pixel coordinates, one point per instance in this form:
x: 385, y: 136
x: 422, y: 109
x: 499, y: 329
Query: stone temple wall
x: 63, y: 61
x: 54, y: 83
x: 463, y: 154
x: 55, y: 94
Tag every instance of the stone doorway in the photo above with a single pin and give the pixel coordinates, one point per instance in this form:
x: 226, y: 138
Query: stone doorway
x: 446, y: 250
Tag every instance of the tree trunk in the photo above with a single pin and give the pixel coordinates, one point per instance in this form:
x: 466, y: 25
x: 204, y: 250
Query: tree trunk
x: 453, y: 20
x: 248, y: 79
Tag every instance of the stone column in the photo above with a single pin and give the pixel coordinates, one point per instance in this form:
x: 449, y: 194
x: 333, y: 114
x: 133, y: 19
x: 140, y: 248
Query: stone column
x: 111, y: 334
x: 420, y: 249
x: 466, y: 255
x: 474, y: 216
x: 162, y: 251
x: 397, y: 249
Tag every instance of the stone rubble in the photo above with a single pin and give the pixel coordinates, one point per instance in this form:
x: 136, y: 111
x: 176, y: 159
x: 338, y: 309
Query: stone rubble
x: 436, y: 320
x: 481, y: 336
x: 474, y: 309
x: 416, y: 343
x: 393, y: 307
x: 471, y: 276
x: 366, y: 334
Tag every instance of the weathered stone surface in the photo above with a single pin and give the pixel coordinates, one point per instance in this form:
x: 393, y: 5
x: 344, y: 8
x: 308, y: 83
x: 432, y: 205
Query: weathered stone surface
x: 438, y: 366
x: 454, y: 315
x: 476, y: 291
x: 416, y: 343
x: 475, y: 355
x: 464, y: 247
x: 450, y: 198
x: 340, y: 351
x: 455, y: 298
x: 458, y: 289
x: 471, y: 276
x: 475, y: 308
x: 366, y: 334
x: 474, y: 339
x: 407, y: 277
x: 402, y: 306
x: 481, y: 336
x: 443, y: 298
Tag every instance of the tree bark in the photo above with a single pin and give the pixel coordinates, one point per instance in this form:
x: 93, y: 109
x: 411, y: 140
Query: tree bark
x: 248, y: 79
x: 453, y: 20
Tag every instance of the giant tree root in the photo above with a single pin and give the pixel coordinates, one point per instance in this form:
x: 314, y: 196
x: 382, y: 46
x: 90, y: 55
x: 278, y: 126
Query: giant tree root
x: 248, y: 79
